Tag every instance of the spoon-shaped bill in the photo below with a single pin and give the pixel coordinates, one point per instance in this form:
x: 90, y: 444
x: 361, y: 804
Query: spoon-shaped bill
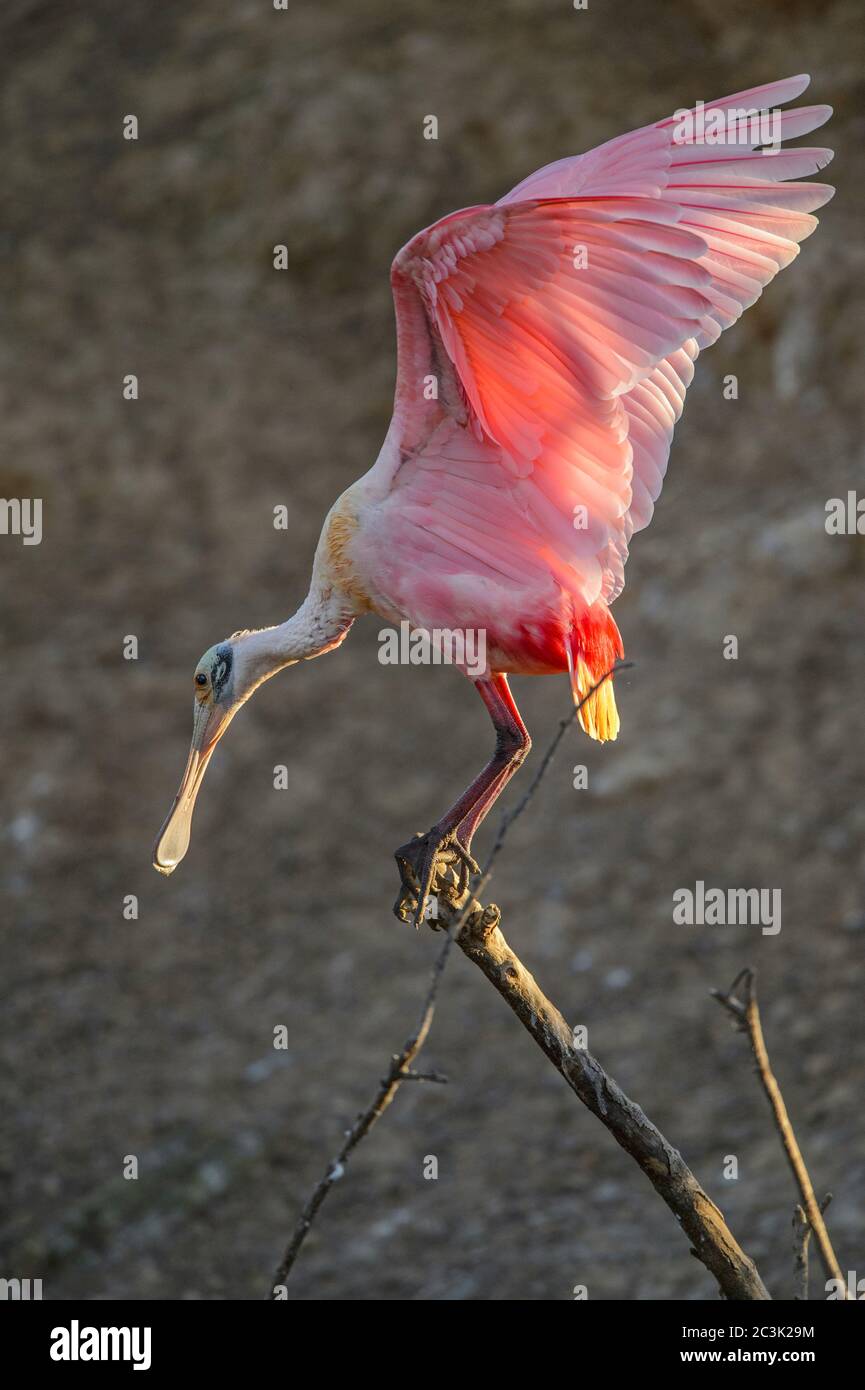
x: 172, y: 841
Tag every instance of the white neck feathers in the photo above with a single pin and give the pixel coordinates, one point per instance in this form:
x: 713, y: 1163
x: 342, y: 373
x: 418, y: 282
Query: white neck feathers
x: 320, y: 624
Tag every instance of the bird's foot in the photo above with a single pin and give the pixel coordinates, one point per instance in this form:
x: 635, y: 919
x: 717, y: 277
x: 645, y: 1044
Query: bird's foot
x: 431, y: 865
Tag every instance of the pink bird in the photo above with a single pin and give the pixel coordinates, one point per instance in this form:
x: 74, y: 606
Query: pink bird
x: 545, y: 344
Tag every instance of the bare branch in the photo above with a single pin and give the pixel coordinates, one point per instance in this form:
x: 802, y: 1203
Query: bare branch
x: 476, y: 930
x: 747, y: 1014
x: 712, y: 1242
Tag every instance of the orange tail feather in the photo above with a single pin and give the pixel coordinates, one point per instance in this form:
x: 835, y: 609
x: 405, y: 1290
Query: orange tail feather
x: 595, y: 646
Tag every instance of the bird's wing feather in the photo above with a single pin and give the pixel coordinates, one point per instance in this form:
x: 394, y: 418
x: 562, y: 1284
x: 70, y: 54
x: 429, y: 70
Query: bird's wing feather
x: 562, y: 325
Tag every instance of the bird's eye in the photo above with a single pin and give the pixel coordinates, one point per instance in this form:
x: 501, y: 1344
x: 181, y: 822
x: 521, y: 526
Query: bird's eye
x: 201, y: 679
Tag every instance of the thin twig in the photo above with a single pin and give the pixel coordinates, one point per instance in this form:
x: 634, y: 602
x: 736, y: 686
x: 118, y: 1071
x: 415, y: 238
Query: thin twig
x: 801, y: 1237
x: 747, y: 1014
x: 564, y: 724
x: 399, y: 1071
x: 437, y: 1076
x: 801, y: 1240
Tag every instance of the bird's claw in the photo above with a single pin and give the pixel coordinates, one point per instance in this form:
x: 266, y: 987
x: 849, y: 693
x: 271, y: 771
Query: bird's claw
x: 430, y: 865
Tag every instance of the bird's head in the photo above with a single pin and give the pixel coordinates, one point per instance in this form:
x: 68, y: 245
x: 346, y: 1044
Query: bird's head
x: 224, y: 678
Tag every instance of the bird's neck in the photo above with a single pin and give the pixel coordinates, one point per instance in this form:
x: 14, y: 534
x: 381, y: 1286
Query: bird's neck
x: 321, y: 622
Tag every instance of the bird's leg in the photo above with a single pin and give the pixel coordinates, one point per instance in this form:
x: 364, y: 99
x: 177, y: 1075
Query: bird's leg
x: 467, y: 827
x: 446, y: 845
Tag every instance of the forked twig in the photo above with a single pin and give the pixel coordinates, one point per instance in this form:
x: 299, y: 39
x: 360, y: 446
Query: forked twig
x: 746, y: 1012
x: 801, y: 1240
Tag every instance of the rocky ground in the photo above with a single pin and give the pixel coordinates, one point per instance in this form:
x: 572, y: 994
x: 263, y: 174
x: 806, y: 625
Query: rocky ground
x: 152, y: 1037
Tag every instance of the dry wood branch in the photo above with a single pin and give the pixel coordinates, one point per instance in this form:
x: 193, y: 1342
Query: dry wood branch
x: 747, y: 1014
x: 481, y: 940
x: 711, y: 1240
x: 476, y: 929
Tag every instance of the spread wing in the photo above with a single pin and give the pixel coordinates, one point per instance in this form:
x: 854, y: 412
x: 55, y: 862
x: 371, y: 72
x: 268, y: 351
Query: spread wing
x: 546, y: 342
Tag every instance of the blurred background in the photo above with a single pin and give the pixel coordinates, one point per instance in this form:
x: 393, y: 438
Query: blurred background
x: 153, y: 1037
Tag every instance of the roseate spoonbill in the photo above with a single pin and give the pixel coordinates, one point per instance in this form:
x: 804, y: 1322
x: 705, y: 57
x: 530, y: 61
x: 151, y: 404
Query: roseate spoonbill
x: 545, y: 344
